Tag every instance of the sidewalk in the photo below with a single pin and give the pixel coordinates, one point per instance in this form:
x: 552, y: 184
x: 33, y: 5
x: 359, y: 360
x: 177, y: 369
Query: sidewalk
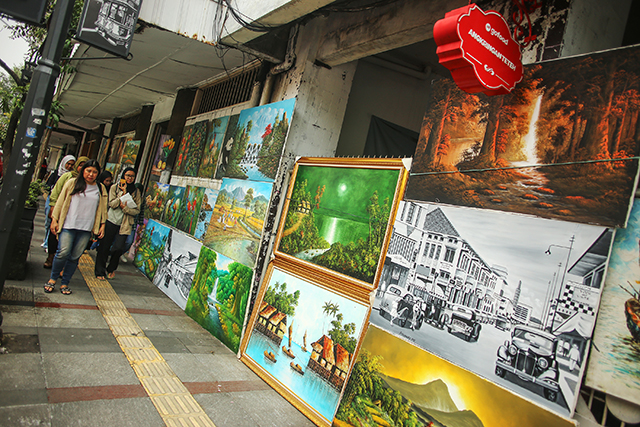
x: 87, y: 359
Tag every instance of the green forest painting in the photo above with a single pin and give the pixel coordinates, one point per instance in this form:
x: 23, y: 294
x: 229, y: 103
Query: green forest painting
x: 338, y: 217
x: 219, y: 295
x: 190, y: 152
x: 575, y: 116
x: 150, y: 248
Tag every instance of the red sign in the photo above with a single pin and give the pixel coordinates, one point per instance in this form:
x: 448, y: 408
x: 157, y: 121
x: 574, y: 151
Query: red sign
x: 478, y: 49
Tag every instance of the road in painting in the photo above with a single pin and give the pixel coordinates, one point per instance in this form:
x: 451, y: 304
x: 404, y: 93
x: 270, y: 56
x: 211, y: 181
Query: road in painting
x: 151, y: 248
x: 338, y: 217
x: 323, y: 328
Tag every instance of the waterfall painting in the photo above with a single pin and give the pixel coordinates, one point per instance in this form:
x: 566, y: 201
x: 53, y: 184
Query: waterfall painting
x: 561, y: 145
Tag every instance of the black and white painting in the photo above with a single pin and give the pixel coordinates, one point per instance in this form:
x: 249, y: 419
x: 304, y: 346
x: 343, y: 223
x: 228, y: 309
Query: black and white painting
x: 512, y: 298
x: 177, y: 267
x: 109, y: 24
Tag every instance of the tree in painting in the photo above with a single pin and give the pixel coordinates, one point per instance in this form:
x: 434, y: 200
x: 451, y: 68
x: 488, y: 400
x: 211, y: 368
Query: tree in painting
x: 190, y: 153
x: 272, y: 145
x: 155, y: 199
x: 151, y: 248
x: 283, y: 301
x: 190, y: 209
x: 211, y: 151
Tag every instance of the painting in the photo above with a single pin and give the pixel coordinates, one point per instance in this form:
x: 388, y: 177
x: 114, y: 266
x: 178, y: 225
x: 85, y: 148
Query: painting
x: 154, y: 201
x: 227, y: 145
x: 258, y: 141
x: 131, y: 253
x: 218, y: 297
x: 151, y: 248
x: 394, y: 383
x: 211, y: 154
x: 102, y: 152
x: 113, y: 168
x: 301, y: 340
x: 238, y: 218
x: 177, y: 267
x: 117, y: 147
x: 190, y: 209
x: 614, y: 364
x: 338, y: 215
x: 172, y: 205
x: 511, y: 298
x: 130, y: 152
x: 553, y: 147
x: 206, y: 212
x: 189, y: 155
x: 166, y: 144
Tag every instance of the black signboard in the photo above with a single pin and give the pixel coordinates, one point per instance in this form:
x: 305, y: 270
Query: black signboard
x: 109, y: 24
x: 24, y: 10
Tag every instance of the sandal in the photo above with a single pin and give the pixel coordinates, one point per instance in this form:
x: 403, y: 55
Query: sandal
x: 49, y: 287
x: 64, y: 290
x: 111, y: 275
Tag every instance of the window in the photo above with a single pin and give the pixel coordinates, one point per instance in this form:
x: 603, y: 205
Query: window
x: 404, y: 209
x: 437, y: 255
x: 412, y: 208
x: 431, y: 252
x: 449, y: 254
x: 426, y: 249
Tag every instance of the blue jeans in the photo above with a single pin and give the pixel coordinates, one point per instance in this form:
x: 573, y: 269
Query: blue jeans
x: 71, y: 245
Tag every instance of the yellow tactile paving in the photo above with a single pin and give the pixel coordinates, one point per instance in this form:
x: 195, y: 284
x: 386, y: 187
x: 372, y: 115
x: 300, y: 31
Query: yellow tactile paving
x: 172, y: 400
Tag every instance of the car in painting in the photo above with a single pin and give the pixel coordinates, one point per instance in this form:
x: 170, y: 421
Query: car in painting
x: 503, y: 324
x: 531, y: 356
x: 463, y: 321
x: 394, y: 298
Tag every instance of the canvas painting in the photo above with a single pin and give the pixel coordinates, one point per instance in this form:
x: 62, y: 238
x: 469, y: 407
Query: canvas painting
x: 155, y: 199
x: 238, y: 218
x: 190, y: 153
x: 131, y: 253
x: 509, y: 297
x: 117, y: 147
x: 190, y: 209
x: 338, y: 216
x: 211, y: 154
x: 526, y: 151
x: 206, y: 212
x: 258, y: 141
x: 166, y: 145
x: 218, y: 298
x: 301, y: 340
x: 614, y: 364
x: 102, y: 153
x: 172, y: 205
x: 395, y: 383
x: 177, y: 267
x: 113, y: 168
x: 151, y: 248
x: 227, y: 145
x: 130, y: 152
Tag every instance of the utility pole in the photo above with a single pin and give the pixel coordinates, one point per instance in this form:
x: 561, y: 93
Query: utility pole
x: 30, y: 130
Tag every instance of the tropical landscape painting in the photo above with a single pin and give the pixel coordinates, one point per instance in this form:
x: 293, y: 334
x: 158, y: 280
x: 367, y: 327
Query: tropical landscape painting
x: 166, y: 144
x: 206, y: 212
x: 237, y: 219
x: 211, y: 154
x: 190, y: 209
x: 154, y: 201
x: 218, y: 297
x: 151, y: 247
x: 303, y: 337
x: 258, y: 141
x: 189, y: 155
x: 172, y: 205
x: 564, y: 113
x: 396, y: 384
x: 614, y: 364
x: 113, y: 168
x: 130, y: 152
x: 337, y: 217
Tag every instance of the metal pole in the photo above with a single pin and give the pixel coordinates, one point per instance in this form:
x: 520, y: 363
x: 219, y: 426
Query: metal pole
x: 30, y: 130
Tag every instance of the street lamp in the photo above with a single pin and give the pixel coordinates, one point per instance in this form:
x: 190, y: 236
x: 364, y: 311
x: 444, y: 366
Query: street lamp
x: 564, y: 273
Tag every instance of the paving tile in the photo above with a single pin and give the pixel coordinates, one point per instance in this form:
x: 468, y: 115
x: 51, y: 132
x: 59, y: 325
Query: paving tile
x: 21, y: 371
x: 138, y: 412
x: 21, y: 416
x: 189, y: 368
x: 149, y: 322
x: 168, y: 344
x: 15, y: 315
x: 20, y: 343
x: 181, y: 323
x: 87, y: 369
x: 273, y: 411
x: 226, y: 367
x: 69, y: 318
x: 223, y: 411
x: 20, y: 397
x: 75, y: 340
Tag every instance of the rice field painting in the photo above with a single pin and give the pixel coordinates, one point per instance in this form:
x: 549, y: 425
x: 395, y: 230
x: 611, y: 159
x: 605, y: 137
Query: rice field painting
x: 154, y: 201
x: 211, y: 154
x: 206, y: 212
x: 151, y: 248
x: 190, y: 209
x: 191, y: 147
x: 172, y: 205
x: 238, y: 218
x: 218, y: 297
x: 560, y: 145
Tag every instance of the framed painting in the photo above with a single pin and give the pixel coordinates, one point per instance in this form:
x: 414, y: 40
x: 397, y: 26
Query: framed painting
x: 301, y: 338
x: 338, y: 215
x: 151, y: 248
x: 172, y: 205
x: 511, y: 298
x: 102, y: 152
x: 130, y: 152
x: 238, y: 218
x: 113, y: 168
x: 206, y: 212
x: 211, y: 154
x: 219, y: 295
x: 396, y: 383
x: 194, y: 137
x: 166, y: 144
x: 155, y: 199
x: 190, y: 209
x: 117, y: 147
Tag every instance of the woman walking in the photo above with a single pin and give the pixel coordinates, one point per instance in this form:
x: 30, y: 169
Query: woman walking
x: 81, y: 209
x: 124, y: 205
x: 66, y: 165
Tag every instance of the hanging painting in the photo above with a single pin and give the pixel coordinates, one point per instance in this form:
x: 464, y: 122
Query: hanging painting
x: 151, y: 248
x: 545, y: 149
x: 165, y: 147
x: 130, y: 152
x: 177, y: 267
x: 238, y: 219
x: 338, y: 214
x: 102, y: 153
x: 190, y: 153
x: 511, y: 298
x: 155, y: 199
x: 395, y: 383
x: 117, y: 147
x: 172, y: 205
x: 614, y: 364
x: 301, y: 340
x: 217, y: 129
x: 258, y: 141
x: 219, y: 295
x: 190, y: 209
x: 113, y: 168
x: 206, y: 212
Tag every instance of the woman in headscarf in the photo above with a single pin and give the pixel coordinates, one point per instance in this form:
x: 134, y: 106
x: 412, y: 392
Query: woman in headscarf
x: 66, y: 165
x: 120, y: 219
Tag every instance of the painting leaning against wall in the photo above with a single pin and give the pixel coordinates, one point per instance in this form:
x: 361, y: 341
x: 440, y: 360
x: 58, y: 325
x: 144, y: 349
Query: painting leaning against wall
x: 206, y: 212
x: 155, y: 200
x: 190, y: 209
x: 213, y: 146
x: 151, y: 248
x: 172, y: 205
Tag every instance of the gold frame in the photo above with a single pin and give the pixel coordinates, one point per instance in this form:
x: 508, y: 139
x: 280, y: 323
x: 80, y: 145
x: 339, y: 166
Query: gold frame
x: 313, y: 279
x: 387, y: 164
